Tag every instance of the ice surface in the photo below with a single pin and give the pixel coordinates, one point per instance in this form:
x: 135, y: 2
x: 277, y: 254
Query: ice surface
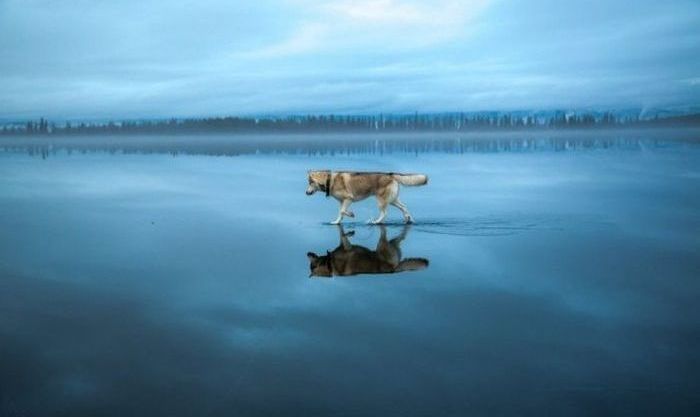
x: 151, y: 284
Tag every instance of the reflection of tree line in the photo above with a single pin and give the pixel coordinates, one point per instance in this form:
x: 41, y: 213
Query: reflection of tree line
x: 452, y: 122
x: 304, y: 146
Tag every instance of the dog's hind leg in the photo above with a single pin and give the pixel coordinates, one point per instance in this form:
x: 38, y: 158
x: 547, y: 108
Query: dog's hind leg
x: 382, y: 212
x: 401, y: 236
x: 387, y: 250
x: 345, y: 237
x: 343, y: 211
x: 389, y: 195
x: 404, y: 210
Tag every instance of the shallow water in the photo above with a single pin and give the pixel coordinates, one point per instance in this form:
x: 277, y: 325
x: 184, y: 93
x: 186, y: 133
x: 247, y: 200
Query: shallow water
x: 558, y: 280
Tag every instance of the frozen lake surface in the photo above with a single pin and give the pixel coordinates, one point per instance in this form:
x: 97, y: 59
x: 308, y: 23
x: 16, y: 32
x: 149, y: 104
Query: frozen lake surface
x: 149, y: 277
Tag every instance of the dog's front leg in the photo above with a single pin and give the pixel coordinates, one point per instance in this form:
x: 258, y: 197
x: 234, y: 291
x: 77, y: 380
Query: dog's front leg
x: 343, y: 211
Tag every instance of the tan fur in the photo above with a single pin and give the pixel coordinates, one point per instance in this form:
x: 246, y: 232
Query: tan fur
x: 348, y: 259
x: 348, y: 187
x: 411, y: 179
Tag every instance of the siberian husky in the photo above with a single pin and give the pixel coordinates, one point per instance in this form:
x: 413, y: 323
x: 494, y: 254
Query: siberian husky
x: 348, y: 259
x: 348, y: 187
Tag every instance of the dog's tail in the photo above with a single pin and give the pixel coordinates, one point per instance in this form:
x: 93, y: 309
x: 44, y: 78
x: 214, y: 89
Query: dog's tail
x: 411, y: 179
x: 412, y: 264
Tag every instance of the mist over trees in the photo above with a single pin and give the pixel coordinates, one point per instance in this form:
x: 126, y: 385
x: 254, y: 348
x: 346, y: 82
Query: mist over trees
x: 443, y: 122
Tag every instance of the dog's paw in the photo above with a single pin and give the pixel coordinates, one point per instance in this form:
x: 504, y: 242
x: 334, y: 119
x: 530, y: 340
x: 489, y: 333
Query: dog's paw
x: 349, y: 234
x: 408, y: 220
x: 335, y: 222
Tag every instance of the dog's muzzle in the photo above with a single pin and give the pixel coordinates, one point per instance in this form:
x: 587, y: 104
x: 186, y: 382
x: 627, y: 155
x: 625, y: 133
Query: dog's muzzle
x: 310, y: 190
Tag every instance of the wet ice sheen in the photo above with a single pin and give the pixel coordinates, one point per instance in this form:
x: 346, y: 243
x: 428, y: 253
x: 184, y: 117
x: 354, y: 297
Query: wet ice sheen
x: 147, y: 284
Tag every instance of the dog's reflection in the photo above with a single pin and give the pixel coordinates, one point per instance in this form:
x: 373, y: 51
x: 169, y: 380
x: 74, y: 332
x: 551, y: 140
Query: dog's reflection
x: 348, y: 259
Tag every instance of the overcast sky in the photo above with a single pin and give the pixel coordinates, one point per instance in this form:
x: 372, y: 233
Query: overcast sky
x: 137, y: 58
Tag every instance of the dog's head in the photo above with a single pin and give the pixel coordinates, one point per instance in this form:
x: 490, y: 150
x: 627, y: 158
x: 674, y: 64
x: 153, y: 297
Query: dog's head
x: 318, y: 181
x: 319, y: 266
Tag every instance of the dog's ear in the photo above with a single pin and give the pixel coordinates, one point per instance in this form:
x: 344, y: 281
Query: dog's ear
x: 312, y: 256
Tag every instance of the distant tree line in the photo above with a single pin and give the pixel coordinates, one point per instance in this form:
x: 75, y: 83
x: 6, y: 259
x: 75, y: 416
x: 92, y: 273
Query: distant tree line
x: 354, y: 123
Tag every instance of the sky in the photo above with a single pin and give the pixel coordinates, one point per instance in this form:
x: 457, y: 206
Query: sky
x: 66, y: 59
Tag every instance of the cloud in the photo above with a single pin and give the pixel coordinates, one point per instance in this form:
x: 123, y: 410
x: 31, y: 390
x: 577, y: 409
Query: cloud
x: 405, y: 13
x: 307, y: 38
x: 136, y: 59
x: 380, y: 11
x: 357, y: 25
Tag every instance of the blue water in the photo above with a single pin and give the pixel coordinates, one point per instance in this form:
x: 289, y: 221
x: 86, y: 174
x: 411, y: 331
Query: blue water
x: 559, y: 280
